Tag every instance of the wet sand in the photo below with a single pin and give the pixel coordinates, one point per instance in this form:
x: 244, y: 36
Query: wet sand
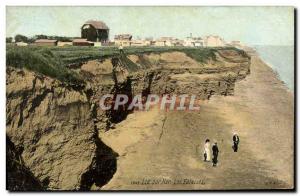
x: 163, y: 150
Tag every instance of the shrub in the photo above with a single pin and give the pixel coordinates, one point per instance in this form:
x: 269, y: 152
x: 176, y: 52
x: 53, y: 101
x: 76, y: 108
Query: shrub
x: 9, y: 40
x: 41, y: 61
x: 21, y: 38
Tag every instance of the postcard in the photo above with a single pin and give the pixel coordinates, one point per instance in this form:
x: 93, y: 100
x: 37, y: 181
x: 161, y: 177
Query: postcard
x: 112, y: 98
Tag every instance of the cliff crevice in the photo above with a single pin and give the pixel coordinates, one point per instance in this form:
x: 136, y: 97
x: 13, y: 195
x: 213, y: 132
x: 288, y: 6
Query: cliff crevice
x: 57, y: 125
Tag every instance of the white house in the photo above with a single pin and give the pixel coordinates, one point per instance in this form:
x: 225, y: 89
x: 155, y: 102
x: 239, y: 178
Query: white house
x: 160, y: 42
x: 21, y: 44
x: 193, y: 42
x: 123, y: 39
x: 236, y: 44
x: 213, y: 41
x: 165, y: 41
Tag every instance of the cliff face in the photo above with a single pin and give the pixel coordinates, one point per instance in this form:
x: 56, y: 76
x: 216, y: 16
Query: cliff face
x: 57, y: 126
x: 19, y: 177
x: 53, y: 125
x: 170, y: 72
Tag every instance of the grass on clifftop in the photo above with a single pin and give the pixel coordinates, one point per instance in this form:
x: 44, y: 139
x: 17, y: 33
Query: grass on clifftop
x: 41, y: 60
x: 52, y: 61
x: 78, y: 54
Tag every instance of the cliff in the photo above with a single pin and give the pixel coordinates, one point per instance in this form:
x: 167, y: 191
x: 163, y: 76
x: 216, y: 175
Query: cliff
x: 19, y: 177
x: 56, y: 122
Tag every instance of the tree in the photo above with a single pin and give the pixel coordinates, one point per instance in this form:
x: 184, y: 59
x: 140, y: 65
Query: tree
x: 31, y: 40
x: 41, y: 36
x: 9, y: 39
x: 58, y: 38
x: 21, y: 38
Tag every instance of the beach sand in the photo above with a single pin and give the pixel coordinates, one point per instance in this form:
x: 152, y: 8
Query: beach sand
x: 164, y: 150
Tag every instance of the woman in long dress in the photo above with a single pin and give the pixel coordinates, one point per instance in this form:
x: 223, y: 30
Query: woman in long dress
x: 207, y: 154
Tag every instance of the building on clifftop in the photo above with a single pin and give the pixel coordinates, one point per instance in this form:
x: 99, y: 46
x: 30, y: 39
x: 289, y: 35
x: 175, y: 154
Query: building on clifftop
x: 95, y: 31
x: 123, y: 39
x: 214, y: 41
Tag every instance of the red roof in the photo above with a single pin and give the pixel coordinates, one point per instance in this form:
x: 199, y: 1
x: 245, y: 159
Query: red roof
x: 80, y: 40
x: 96, y: 24
x: 45, y: 41
x: 123, y: 37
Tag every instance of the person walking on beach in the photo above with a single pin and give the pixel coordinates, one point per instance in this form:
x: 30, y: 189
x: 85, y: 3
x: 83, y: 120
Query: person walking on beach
x: 236, y: 141
x: 207, y: 154
x: 215, y: 151
x: 121, y: 50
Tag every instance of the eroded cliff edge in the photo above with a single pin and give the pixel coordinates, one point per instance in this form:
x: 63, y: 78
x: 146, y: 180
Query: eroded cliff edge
x: 56, y: 124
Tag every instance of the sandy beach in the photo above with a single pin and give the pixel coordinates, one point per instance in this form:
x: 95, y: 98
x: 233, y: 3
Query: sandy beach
x: 163, y: 150
x: 125, y: 98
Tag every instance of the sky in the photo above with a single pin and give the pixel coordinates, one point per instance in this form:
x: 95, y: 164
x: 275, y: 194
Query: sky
x: 250, y: 25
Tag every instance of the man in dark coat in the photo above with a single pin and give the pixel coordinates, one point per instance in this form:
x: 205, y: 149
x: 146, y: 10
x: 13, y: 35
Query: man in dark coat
x: 236, y: 141
x: 215, y: 150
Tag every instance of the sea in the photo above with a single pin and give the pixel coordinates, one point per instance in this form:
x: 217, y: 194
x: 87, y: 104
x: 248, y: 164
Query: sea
x: 281, y: 60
